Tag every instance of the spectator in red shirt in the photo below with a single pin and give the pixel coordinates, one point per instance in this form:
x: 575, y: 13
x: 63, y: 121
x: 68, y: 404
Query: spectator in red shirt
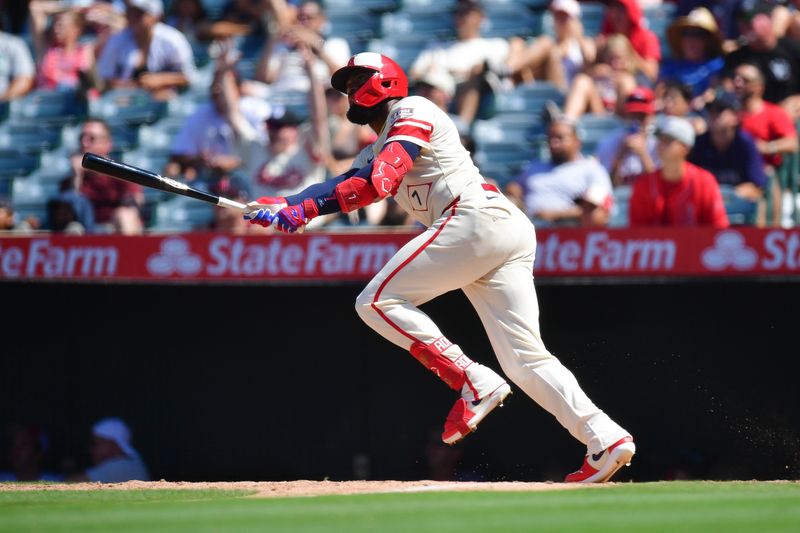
x: 768, y: 123
x: 625, y: 17
x: 679, y: 193
x: 116, y: 203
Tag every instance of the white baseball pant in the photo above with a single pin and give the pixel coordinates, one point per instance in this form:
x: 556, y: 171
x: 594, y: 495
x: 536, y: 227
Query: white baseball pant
x: 485, y: 246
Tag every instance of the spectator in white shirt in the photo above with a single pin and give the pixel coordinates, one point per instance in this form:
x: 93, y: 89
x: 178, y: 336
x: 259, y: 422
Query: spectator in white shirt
x: 146, y: 54
x: 567, y: 190
x: 115, y: 459
x: 17, y: 69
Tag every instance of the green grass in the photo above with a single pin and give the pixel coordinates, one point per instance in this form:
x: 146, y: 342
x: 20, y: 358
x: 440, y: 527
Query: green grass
x: 632, y: 508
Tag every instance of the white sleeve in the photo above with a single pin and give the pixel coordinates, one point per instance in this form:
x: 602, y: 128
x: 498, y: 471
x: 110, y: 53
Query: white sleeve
x: 496, y: 53
x: 184, y: 57
x: 22, y: 61
x: 412, y: 119
x: 599, y: 188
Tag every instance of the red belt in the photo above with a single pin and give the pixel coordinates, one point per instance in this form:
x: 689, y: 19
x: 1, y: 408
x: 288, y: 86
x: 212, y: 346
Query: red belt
x: 485, y: 186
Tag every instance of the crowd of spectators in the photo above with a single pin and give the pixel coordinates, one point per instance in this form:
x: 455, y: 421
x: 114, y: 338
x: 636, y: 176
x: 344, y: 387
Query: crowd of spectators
x: 711, y: 98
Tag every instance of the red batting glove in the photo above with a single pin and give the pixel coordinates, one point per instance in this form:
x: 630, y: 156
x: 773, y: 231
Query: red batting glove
x: 290, y: 219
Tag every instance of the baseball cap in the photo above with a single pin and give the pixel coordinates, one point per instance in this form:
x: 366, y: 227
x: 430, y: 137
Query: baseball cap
x: 114, y: 429
x: 570, y: 7
x: 281, y: 117
x: 439, y: 80
x: 641, y: 100
x: 676, y: 128
x: 748, y: 9
x: 724, y: 100
x: 151, y: 7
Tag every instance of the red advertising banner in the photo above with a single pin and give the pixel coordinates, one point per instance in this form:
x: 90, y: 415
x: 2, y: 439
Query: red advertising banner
x: 656, y: 252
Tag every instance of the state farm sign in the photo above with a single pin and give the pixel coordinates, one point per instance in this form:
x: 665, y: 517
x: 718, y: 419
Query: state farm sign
x: 642, y: 252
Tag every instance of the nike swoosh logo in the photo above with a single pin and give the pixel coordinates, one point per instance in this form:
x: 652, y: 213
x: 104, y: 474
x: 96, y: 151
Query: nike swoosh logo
x: 476, y: 403
x: 597, y: 456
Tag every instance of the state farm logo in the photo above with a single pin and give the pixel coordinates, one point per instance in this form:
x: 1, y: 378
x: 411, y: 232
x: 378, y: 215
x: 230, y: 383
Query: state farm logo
x: 729, y: 251
x: 174, y: 257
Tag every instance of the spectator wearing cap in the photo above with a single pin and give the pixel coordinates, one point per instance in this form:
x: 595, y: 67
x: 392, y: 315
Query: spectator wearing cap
x: 205, y: 147
x: 769, y: 124
x: 696, y: 44
x: 568, y: 190
x: 676, y: 101
x: 730, y: 154
x: 147, y: 54
x: 679, y: 193
x: 631, y: 149
x: 559, y: 60
x: 778, y: 59
x: 114, y: 457
x: 17, y: 69
x: 625, y: 17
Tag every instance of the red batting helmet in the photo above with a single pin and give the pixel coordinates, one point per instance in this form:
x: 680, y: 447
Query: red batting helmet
x: 388, y: 79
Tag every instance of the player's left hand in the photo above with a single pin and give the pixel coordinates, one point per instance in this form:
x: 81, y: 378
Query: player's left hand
x: 263, y: 210
x: 290, y: 219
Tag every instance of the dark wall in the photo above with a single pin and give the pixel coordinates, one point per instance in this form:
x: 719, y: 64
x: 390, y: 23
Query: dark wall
x: 249, y: 382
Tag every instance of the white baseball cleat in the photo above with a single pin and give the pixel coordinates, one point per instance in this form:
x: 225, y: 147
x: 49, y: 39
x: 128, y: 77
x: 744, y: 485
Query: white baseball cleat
x: 599, y: 467
x: 465, y: 416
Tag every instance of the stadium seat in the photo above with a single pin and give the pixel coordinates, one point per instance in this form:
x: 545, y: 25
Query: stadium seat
x: 528, y: 99
x: 504, y: 159
x: 131, y: 106
x: 214, y: 8
x: 507, y: 128
x: 618, y: 217
x: 185, y: 104
x: 404, y: 50
x: 356, y: 28
x: 31, y: 190
x: 3, y: 111
x: 48, y: 107
x: 14, y: 163
x: 428, y: 6
x: 509, y: 20
x: 158, y: 136
x: 593, y: 128
x: 29, y: 137
x: 739, y: 211
x: 436, y: 26
x: 181, y: 214
x: 534, y: 5
x: 375, y: 6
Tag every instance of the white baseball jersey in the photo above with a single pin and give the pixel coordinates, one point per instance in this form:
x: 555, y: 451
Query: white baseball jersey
x: 481, y: 243
x: 444, y: 168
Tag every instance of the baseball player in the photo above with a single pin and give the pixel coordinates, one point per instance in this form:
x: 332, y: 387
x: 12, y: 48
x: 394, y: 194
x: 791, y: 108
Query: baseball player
x: 476, y: 240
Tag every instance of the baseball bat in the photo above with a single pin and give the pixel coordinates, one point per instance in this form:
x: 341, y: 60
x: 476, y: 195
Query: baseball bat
x: 145, y: 178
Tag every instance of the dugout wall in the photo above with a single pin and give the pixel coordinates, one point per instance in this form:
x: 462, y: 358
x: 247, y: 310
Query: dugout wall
x: 218, y: 386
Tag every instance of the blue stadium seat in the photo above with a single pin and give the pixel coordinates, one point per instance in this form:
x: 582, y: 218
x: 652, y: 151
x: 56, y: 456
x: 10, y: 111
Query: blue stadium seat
x: 294, y: 101
x: 528, y: 99
x: 534, y: 5
x: 214, y: 8
x: 593, y: 128
x: 504, y: 158
x: 508, y: 21
x: 31, y: 190
x: 3, y: 111
x: 131, y: 106
x: 376, y: 6
x: 428, y: 6
x: 185, y: 104
x: 181, y: 214
x: 29, y: 137
x: 158, y: 136
x: 618, y: 218
x: 14, y: 163
x: 356, y: 28
x: 507, y: 128
x: 48, y: 107
x: 436, y: 26
x: 404, y: 50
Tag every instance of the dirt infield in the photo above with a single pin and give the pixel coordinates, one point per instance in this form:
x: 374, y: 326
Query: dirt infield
x: 267, y: 489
